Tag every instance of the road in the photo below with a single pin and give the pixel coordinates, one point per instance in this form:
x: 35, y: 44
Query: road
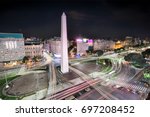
x: 72, y: 90
x: 119, y: 74
x: 103, y: 79
x: 98, y: 92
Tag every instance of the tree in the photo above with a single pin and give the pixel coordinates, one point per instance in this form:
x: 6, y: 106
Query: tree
x: 146, y: 53
x: 136, y: 59
x: 99, y: 52
x: 87, y: 51
x: 90, y: 49
x: 25, y: 59
x: 36, y: 58
x: 119, y: 50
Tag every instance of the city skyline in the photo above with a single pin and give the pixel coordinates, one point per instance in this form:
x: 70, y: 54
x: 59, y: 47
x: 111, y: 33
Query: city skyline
x: 92, y: 18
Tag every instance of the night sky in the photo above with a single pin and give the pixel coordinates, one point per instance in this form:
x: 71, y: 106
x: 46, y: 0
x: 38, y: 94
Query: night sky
x: 87, y: 18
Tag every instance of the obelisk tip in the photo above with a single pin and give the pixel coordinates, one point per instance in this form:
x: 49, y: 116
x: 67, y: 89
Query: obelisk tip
x: 63, y: 14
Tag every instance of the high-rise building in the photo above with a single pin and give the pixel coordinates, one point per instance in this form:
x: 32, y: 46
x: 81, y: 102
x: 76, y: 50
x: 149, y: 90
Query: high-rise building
x: 33, y: 47
x: 34, y: 50
x: 128, y: 41
x: 118, y: 45
x: 55, y: 45
x: 11, y: 47
x: 102, y: 44
x: 83, y: 45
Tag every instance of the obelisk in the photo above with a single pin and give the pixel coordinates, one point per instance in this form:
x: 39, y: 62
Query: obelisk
x: 64, y: 43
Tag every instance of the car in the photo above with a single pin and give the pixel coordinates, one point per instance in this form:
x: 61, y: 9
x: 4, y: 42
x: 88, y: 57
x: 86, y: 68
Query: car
x: 114, y: 86
x: 128, y: 89
x: 104, y: 83
x: 121, y: 88
x: 117, y: 86
x: 87, y: 89
x: 70, y: 98
x: 136, y: 92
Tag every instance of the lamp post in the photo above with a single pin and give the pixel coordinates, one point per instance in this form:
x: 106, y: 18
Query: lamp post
x: 7, y: 86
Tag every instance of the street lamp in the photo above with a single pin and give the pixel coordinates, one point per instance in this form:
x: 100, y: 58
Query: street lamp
x: 7, y: 86
x: 7, y: 47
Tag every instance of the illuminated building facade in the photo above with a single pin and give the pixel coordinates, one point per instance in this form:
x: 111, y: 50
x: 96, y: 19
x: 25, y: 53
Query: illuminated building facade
x: 101, y: 44
x: 46, y: 46
x: 89, y: 44
x: 33, y: 47
x: 34, y: 50
x: 83, y: 45
x: 128, y: 41
x: 11, y: 47
x: 55, y: 45
x: 118, y: 45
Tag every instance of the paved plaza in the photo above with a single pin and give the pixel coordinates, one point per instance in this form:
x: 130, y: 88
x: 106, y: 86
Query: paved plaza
x: 27, y: 84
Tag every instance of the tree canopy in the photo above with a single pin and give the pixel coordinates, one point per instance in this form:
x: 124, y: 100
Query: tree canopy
x: 25, y: 59
x: 99, y: 52
x: 146, y: 53
x: 136, y: 59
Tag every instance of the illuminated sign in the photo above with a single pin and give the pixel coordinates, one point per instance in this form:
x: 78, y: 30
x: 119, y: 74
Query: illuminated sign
x: 79, y: 40
x: 85, y: 40
x: 90, y: 42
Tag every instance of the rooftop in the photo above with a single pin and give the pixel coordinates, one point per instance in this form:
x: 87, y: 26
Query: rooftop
x: 11, y: 35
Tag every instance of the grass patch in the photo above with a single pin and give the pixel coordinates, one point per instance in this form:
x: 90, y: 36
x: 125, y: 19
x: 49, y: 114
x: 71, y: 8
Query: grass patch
x: 2, y: 85
x: 147, y: 75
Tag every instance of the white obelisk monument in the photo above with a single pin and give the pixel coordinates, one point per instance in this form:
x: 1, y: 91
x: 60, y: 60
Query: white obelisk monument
x: 64, y: 51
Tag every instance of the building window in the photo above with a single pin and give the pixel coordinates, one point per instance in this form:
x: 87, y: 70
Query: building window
x: 11, y: 44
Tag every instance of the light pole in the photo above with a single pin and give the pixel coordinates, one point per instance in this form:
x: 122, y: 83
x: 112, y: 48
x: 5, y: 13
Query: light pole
x: 7, y: 86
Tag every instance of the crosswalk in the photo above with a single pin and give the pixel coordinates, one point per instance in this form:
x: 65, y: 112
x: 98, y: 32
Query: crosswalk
x: 131, y: 86
x: 140, y: 88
